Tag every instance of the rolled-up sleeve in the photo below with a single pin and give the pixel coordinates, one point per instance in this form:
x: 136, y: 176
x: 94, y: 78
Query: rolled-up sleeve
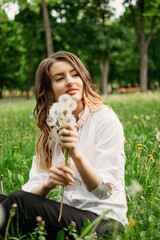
x: 109, y: 157
x: 36, y: 177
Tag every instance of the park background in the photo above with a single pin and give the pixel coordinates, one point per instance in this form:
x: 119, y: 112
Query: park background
x: 121, y: 53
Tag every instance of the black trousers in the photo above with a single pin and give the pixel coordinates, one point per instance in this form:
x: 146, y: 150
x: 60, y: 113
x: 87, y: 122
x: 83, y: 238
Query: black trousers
x: 29, y: 206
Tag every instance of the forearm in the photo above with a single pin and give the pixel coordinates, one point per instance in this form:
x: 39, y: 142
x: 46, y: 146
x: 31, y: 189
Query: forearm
x: 89, y: 175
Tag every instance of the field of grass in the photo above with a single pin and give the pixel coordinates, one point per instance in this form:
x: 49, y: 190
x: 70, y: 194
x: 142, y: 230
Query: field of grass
x: 140, y: 116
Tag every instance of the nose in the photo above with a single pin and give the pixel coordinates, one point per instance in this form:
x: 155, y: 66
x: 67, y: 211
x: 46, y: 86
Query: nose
x: 69, y: 80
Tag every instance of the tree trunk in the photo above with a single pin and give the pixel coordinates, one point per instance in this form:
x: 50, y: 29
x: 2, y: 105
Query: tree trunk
x: 49, y: 42
x: 1, y: 88
x: 144, y: 68
x: 29, y: 77
x: 104, y: 67
x: 144, y: 43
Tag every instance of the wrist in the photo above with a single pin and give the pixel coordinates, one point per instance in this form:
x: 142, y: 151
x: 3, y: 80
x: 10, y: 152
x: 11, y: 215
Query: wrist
x: 48, y: 186
x: 78, y: 157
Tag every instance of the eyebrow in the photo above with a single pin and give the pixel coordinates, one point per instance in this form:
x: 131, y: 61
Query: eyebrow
x: 63, y: 73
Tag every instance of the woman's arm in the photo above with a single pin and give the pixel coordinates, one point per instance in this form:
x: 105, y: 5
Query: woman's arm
x: 58, y: 175
x: 89, y: 175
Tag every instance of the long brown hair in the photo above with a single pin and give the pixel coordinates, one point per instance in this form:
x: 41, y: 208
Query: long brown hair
x: 45, y: 98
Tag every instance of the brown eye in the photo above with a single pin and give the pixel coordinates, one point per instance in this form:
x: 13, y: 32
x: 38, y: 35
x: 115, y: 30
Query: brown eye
x: 59, y: 79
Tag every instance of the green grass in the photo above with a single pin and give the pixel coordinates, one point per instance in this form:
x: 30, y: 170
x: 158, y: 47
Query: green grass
x: 143, y: 161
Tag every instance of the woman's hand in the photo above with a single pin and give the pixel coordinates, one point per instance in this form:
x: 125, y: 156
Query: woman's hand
x: 59, y: 175
x: 69, y: 139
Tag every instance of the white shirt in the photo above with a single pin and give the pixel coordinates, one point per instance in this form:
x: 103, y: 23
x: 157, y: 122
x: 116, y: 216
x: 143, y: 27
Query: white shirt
x: 101, y: 141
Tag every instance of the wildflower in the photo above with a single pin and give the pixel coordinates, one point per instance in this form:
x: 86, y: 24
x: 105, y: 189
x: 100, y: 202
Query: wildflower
x: 31, y: 124
x: 140, y: 148
x: 141, y: 212
x: 148, y: 117
x: 39, y: 219
x: 15, y: 147
x: 134, y: 189
x: 129, y: 123
x: 139, y: 144
x: 26, y: 137
x: 30, y: 116
x: 158, y: 136
x: 153, y: 160
x: 135, y: 117
x: 132, y: 223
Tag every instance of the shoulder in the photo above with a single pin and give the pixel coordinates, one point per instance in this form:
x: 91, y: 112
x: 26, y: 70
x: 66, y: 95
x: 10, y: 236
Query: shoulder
x: 106, y: 115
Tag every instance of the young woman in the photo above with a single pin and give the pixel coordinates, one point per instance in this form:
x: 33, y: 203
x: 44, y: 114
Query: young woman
x: 95, y: 181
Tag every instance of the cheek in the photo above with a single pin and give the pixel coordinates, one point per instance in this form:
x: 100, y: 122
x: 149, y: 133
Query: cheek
x: 57, y: 91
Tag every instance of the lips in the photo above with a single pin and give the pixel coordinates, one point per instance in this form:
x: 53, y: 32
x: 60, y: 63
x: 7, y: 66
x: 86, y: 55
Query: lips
x: 72, y: 91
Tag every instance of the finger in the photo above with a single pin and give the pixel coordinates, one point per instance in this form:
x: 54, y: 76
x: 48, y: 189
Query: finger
x: 65, y: 139
x: 58, y: 175
x: 67, y: 133
x: 56, y: 180
x: 67, y: 126
x: 62, y: 168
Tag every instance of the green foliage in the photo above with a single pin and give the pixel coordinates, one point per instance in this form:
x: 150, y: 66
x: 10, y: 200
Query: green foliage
x: 82, y: 27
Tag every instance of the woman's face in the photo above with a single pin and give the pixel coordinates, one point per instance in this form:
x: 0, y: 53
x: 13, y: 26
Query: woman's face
x: 65, y: 79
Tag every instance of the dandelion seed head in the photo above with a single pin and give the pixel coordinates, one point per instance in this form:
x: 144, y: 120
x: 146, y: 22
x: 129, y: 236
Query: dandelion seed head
x: 65, y: 98
x: 158, y: 136
x: 50, y: 121
x: 71, y: 119
x: 148, y: 117
x: 30, y: 116
x: 134, y: 189
x: 39, y: 219
x: 73, y: 105
x: 14, y: 205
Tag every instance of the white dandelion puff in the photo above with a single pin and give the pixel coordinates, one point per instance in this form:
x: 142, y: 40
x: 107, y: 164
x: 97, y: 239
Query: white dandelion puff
x: 61, y: 112
x: 134, y: 189
x: 73, y: 105
x: 158, y: 136
x: 51, y: 121
x: 65, y: 98
x: 148, y: 117
x: 71, y: 119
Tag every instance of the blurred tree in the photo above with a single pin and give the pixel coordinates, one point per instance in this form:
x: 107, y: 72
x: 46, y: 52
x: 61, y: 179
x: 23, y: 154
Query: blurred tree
x: 141, y: 12
x: 31, y: 40
x: 10, y: 51
x: 95, y: 34
x: 47, y: 25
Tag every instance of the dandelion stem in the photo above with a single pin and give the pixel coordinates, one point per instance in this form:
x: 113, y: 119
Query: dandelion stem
x: 61, y: 206
x: 67, y: 163
x: 7, y: 228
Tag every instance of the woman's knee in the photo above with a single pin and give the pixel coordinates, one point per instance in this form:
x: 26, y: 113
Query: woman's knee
x: 16, y: 196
